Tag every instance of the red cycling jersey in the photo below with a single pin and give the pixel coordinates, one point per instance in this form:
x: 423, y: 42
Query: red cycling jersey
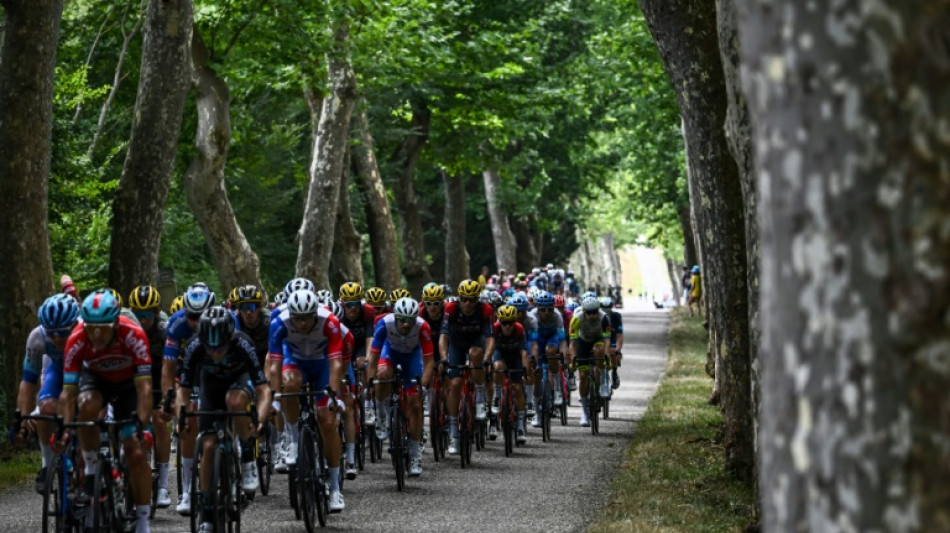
x: 126, y: 356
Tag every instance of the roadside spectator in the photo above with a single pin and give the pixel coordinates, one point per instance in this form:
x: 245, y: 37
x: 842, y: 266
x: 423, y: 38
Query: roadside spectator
x: 695, y: 292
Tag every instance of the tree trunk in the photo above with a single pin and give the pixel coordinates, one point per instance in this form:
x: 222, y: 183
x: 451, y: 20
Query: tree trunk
x: 27, y: 60
x: 326, y: 166
x: 501, y: 232
x: 139, y: 203
x: 406, y: 156
x: 850, y: 115
x: 690, y: 255
x: 347, y: 243
x: 379, y: 218
x: 686, y: 35
x: 456, y: 254
x: 235, y: 261
x: 526, y: 252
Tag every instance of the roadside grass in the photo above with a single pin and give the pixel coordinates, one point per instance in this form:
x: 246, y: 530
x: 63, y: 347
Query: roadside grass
x: 673, y: 474
x: 17, y: 467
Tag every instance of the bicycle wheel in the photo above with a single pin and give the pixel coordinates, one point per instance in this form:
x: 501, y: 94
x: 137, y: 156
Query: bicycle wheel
x: 151, y: 462
x: 360, y: 434
x: 508, y: 432
x: 321, y: 485
x: 606, y: 408
x: 306, y: 469
x: 397, y: 446
x: 435, y: 426
x: 464, y: 436
x: 53, y: 497
x: 103, y: 501
x: 547, y: 409
x: 265, y: 466
x: 237, y: 496
x: 593, y: 402
x: 342, y: 435
x: 195, y: 511
x: 125, y: 504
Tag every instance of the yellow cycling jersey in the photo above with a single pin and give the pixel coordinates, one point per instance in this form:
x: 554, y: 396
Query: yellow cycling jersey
x: 594, y: 328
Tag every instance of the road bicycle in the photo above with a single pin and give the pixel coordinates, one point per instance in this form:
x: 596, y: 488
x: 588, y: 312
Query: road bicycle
x: 507, y: 415
x: 438, y: 429
x: 398, y: 424
x: 309, y: 479
x: 467, y: 425
x: 545, y: 401
x: 227, y: 496
x: 593, y: 394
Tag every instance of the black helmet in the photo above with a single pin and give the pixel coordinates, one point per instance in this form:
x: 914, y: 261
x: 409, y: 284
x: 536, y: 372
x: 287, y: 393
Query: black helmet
x: 216, y: 327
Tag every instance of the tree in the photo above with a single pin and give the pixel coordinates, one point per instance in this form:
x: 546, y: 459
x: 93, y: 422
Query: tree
x: 326, y: 167
x: 686, y: 37
x: 347, y: 243
x: 456, y: 255
x: 849, y: 116
x: 143, y: 187
x: 27, y: 59
x: 502, y: 235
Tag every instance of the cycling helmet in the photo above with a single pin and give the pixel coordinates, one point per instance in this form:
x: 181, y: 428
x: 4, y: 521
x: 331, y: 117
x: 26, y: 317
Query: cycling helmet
x: 495, y: 299
x: 216, y: 327
x: 336, y: 309
x: 302, y: 302
x: 559, y: 301
x: 533, y: 293
x: 376, y: 296
x: 450, y: 299
x: 572, y: 305
x: 570, y: 273
x: 588, y: 293
x: 145, y: 297
x: 198, y: 285
x: 549, y: 266
x: 469, y: 289
x: 58, y: 311
x: 399, y: 294
x: 100, y: 307
x: 297, y: 284
x: 177, y: 304
x: 324, y: 296
x: 249, y: 294
x: 519, y: 301
x: 535, y: 271
x: 695, y: 269
x: 590, y: 303
x: 197, y: 299
x: 433, y: 292
x: 280, y: 298
x: 491, y: 287
x: 233, y: 297
x: 485, y: 297
x: 606, y: 302
x: 507, y: 313
x: 117, y: 296
x: 406, y: 308
x: 544, y: 299
x: 351, y: 291
x: 507, y: 293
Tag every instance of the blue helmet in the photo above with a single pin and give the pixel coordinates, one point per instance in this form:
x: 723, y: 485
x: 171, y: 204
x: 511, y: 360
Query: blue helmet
x: 508, y: 293
x: 58, y: 311
x: 100, y: 307
x: 695, y: 269
x: 571, y: 305
x: 519, y: 301
x: 545, y: 299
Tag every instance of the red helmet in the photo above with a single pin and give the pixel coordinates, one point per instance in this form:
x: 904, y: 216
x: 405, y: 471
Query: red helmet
x: 559, y: 301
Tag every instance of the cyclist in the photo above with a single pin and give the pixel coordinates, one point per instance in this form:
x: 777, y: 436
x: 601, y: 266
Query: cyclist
x: 551, y: 337
x: 511, y: 353
x: 144, y: 301
x: 349, y: 416
x: 359, y: 317
x: 588, y: 333
x: 376, y: 297
x: 520, y: 302
x: 58, y: 316
x: 307, y: 337
x: 107, y: 361
x: 181, y: 327
x: 433, y: 301
x: 402, y: 338
x: 616, y: 339
x: 177, y: 304
x: 466, y: 334
x: 225, y: 365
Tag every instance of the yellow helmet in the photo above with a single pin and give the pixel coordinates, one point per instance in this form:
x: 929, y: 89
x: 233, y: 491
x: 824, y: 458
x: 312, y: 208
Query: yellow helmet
x: 249, y: 294
x: 507, y: 313
x: 233, y: 296
x: 145, y: 297
x: 118, y: 297
x: 351, y: 291
x: 177, y: 304
x: 433, y: 292
x: 469, y: 289
x: 399, y: 293
x: 376, y: 296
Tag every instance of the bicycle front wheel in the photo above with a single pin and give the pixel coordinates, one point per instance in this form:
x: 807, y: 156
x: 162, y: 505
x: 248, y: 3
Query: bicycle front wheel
x: 103, y: 497
x: 507, y: 429
x: 306, y: 468
x: 435, y: 424
x: 397, y: 446
x: 53, y: 497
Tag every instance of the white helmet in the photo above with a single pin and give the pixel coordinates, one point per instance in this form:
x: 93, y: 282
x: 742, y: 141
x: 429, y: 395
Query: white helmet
x: 590, y: 302
x: 406, y: 307
x: 298, y: 284
x: 197, y: 298
x: 302, y: 302
x: 335, y: 308
x: 324, y: 296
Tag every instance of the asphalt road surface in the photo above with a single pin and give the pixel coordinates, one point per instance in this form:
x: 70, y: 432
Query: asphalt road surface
x: 558, y: 486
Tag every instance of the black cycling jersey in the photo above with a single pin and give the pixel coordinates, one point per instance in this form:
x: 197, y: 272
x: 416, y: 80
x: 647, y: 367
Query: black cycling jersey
x: 240, y: 358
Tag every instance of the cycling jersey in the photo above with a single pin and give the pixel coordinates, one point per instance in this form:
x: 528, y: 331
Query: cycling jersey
x: 508, y: 349
x: 551, y: 332
x: 409, y: 350
x: 157, y: 336
x: 590, y: 329
x: 260, y: 335
x: 361, y: 328
x: 616, y: 327
x: 180, y: 332
x: 323, y: 341
x: 239, y: 359
x: 37, y: 345
x: 124, y: 358
x: 530, y: 324
x: 435, y: 324
x: 467, y: 328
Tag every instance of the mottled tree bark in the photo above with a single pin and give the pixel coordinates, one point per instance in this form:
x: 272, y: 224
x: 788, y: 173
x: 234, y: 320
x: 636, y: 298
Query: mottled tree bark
x: 139, y: 203
x: 406, y: 156
x: 690, y: 255
x: 456, y: 254
x: 235, y: 261
x: 527, y: 255
x: 502, y: 235
x: 347, y: 243
x: 851, y: 123
x: 686, y: 36
x: 326, y: 166
x: 379, y: 218
x: 27, y: 60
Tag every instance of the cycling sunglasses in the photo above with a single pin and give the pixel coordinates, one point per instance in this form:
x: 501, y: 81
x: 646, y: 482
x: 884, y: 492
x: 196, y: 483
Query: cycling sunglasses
x: 406, y: 319
x: 469, y: 300
x: 352, y: 304
x: 143, y: 314
x: 248, y: 307
x: 59, y: 332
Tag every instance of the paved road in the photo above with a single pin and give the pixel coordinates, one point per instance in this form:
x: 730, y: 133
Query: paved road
x: 551, y: 487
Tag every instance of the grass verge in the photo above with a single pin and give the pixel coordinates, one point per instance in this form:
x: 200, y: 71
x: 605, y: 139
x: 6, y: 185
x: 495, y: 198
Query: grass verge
x: 673, y: 474
x: 17, y: 466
